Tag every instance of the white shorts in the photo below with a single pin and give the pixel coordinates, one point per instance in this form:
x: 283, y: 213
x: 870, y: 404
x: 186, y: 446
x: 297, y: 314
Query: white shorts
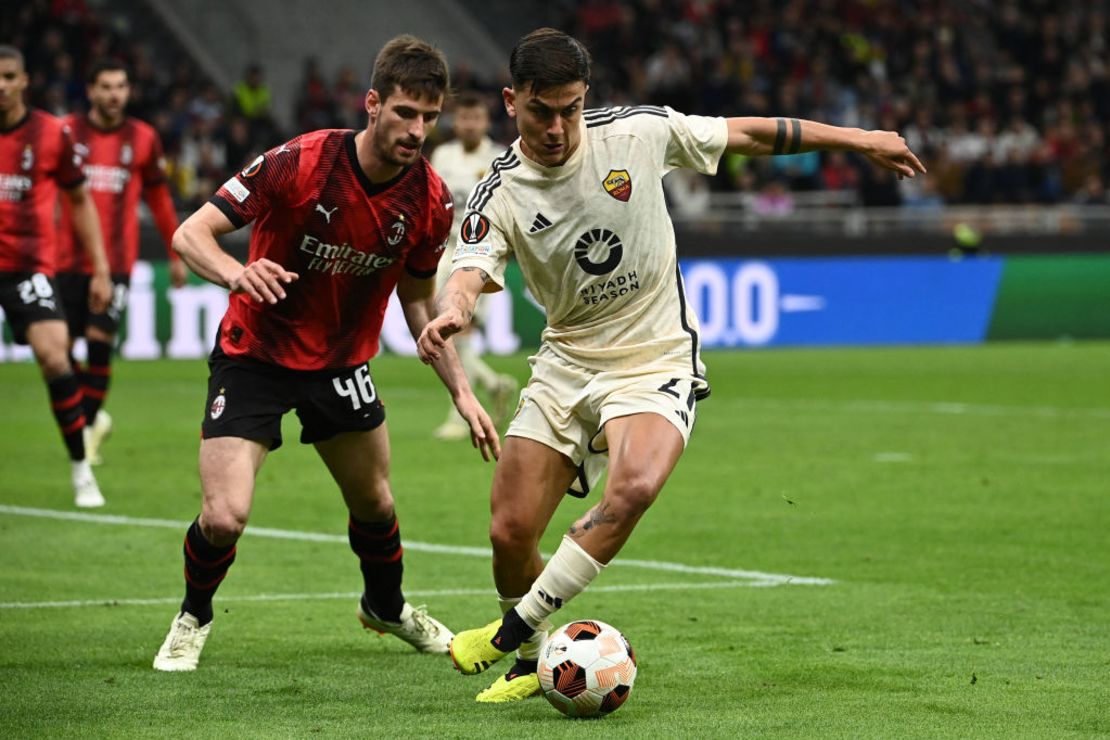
x: 566, y: 407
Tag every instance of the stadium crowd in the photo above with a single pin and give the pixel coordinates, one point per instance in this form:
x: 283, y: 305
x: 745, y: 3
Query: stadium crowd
x: 1006, y: 102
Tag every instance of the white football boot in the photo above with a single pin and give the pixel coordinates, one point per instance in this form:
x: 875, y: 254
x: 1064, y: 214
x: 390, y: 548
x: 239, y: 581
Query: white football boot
x: 86, y: 493
x: 95, y: 434
x: 181, y: 650
x: 425, y: 633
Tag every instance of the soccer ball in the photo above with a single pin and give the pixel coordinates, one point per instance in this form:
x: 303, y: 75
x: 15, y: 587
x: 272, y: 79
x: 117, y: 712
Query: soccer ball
x: 587, y: 668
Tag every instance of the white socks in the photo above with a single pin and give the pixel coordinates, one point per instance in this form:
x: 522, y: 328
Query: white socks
x: 567, y: 574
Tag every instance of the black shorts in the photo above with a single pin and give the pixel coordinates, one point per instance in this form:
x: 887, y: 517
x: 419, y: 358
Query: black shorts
x: 74, y: 290
x: 247, y: 399
x: 27, y: 297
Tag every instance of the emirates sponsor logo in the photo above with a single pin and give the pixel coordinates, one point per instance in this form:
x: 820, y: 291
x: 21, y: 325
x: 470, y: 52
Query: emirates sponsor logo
x: 342, y: 259
x: 12, y: 187
x: 102, y: 178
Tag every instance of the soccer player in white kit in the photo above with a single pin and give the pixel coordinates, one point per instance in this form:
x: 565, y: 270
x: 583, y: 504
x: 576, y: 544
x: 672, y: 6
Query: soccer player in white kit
x: 462, y: 163
x: 578, y: 200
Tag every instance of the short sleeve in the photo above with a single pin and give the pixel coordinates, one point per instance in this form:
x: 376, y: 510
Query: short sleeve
x: 482, y: 243
x: 696, y: 142
x: 260, y: 186
x: 69, y: 173
x: 423, y: 261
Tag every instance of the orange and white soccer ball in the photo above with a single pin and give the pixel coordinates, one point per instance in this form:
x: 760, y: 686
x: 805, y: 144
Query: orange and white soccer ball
x: 587, y: 668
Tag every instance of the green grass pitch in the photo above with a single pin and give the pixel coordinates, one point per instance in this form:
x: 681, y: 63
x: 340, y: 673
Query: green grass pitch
x: 956, y: 498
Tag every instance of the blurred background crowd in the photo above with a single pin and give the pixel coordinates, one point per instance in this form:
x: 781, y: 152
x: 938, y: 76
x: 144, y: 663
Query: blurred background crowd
x: 1005, y: 101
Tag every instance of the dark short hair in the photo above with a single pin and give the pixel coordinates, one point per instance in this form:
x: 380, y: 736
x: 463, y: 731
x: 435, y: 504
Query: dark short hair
x: 548, y: 58
x: 10, y: 52
x: 414, y: 66
x: 470, y: 99
x: 104, y: 65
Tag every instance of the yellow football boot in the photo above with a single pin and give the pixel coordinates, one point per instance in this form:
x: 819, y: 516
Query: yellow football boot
x: 518, y: 687
x: 472, y: 652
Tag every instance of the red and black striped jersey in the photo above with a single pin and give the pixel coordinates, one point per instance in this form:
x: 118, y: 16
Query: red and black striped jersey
x: 36, y: 157
x: 120, y: 164
x: 317, y: 214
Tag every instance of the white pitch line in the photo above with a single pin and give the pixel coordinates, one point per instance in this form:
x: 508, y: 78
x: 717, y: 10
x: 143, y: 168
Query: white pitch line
x: 943, y: 408
x: 480, y: 552
x: 485, y: 592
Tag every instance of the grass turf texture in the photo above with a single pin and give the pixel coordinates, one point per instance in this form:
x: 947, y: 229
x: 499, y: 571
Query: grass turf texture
x: 956, y: 496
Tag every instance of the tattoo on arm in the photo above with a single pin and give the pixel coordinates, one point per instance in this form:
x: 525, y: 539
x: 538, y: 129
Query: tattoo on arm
x: 481, y: 273
x: 458, y: 299
x: 780, y: 146
x: 595, y: 516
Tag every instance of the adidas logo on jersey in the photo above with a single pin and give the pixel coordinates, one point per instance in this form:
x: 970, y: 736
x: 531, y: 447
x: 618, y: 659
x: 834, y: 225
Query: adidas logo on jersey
x: 539, y: 224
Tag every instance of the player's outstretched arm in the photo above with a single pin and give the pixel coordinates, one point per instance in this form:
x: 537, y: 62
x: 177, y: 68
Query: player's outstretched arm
x: 86, y: 223
x: 415, y: 295
x: 756, y: 136
x: 454, y: 311
x: 195, y: 240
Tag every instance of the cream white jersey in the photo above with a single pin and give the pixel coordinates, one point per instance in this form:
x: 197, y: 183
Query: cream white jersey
x: 593, y: 237
x: 462, y: 170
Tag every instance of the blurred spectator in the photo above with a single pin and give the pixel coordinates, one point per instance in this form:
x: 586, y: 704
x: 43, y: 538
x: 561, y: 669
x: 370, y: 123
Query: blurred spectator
x: 774, y: 200
x: 252, y: 94
x: 314, y: 106
x: 1093, y: 193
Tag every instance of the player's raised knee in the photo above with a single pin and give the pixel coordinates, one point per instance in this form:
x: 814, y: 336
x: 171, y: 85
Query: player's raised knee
x: 631, y: 494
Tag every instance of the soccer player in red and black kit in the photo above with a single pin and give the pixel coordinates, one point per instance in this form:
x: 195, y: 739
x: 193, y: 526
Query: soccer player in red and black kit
x: 340, y: 219
x: 123, y: 161
x: 37, y: 157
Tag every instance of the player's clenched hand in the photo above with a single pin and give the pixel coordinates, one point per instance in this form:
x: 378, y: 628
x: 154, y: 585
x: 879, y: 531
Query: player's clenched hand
x: 263, y: 280
x: 435, y: 335
x: 100, y: 293
x: 889, y: 150
x: 483, y: 435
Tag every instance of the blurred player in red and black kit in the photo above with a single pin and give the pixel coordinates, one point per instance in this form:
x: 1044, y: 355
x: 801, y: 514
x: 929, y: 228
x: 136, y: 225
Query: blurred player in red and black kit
x: 36, y: 157
x: 123, y: 160
x: 340, y: 219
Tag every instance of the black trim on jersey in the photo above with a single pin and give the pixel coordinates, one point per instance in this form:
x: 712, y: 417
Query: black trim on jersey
x: 604, y: 116
x: 703, y: 393
x: 371, y: 188
x: 421, y: 274
x: 20, y: 122
x: 483, y: 191
x: 110, y: 130
x: 225, y: 208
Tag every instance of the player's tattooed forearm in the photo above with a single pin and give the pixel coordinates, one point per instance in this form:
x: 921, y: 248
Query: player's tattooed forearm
x: 481, y: 273
x: 594, y: 517
x: 795, y: 145
x: 455, y: 299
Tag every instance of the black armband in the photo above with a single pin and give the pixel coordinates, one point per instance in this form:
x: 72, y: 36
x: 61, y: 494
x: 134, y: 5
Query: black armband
x: 795, y: 136
x: 780, y: 136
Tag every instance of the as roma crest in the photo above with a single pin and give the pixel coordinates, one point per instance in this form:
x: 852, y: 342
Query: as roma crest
x: 618, y: 183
